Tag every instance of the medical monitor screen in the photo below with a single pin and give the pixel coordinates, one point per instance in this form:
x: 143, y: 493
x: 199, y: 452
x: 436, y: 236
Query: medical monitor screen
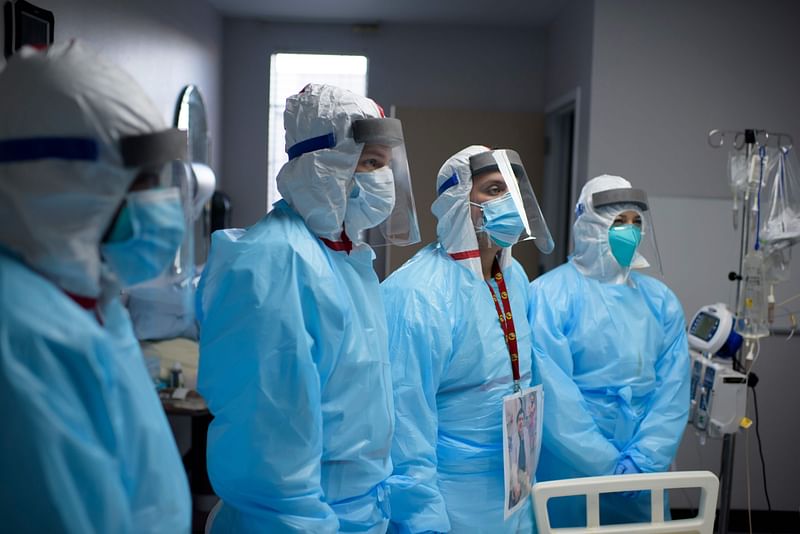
x: 27, y: 24
x: 704, y: 326
x: 34, y: 30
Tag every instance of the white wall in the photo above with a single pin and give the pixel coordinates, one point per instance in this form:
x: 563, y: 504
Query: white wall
x: 663, y: 74
x: 568, y: 66
x: 163, y: 45
x: 479, y: 68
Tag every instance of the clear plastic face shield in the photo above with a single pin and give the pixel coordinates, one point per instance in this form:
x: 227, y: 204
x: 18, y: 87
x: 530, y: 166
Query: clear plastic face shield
x: 509, y: 165
x: 384, y: 145
x: 161, y: 160
x: 631, y: 234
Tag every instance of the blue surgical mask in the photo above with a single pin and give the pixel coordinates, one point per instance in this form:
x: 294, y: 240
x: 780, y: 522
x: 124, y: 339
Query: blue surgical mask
x: 371, y: 200
x: 145, y: 236
x: 624, y: 240
x: 501, y: 220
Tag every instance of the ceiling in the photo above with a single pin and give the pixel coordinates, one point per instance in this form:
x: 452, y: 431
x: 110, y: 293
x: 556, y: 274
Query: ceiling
x: 531, y: 13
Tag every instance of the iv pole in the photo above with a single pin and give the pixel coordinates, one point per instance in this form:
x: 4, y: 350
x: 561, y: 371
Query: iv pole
x: 729, y: 440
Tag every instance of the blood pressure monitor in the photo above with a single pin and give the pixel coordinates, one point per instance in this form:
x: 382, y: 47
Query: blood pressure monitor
x: 711, y: 331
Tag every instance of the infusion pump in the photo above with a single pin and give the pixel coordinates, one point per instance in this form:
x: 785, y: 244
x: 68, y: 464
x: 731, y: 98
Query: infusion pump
x: 718, y: 393
x: 718, y: 396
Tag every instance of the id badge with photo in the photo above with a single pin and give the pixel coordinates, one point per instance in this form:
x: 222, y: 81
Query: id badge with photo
x: 522, y: 438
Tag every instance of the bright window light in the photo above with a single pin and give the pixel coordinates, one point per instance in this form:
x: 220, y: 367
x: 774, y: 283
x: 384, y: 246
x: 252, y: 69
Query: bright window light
x: 289, y: 73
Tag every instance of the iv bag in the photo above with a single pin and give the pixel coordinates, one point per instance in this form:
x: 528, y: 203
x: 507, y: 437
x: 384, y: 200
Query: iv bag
x: 737, y: 171
x: 777, y: 265
x: 752, y: 316
x: 780, y: 210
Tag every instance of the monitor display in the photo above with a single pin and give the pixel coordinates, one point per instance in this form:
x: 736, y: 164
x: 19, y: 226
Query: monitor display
x: 34, y: 30
x: 705, y: 326
x: 27, y: 24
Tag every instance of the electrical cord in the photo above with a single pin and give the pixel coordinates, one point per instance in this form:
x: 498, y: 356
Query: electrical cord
x: 754, y: 379
x: 761, y: 452
x: 752, y: 382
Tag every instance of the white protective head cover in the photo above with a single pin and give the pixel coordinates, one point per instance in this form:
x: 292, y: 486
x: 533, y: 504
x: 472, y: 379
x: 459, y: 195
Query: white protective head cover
x: 592, y: 253
x: 324, y: 151
x: 54, y: 210
x: 455, y: 229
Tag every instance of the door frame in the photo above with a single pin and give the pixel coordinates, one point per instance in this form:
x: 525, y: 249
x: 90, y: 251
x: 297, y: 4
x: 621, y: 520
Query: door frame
x: 569, y: 102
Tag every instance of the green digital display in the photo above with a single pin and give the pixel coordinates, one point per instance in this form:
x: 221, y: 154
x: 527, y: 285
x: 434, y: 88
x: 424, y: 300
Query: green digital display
x: 705, y: 326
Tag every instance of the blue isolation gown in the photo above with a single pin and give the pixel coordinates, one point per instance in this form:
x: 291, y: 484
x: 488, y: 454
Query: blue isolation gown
x: 614, y: 364
x: 294, y: 366
x: 451, y: 370
x: 86, y: 445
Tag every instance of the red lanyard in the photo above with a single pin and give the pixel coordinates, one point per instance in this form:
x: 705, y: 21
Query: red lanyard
x: 506, y: 321
x: 344, y: 245
x: 88, y: 304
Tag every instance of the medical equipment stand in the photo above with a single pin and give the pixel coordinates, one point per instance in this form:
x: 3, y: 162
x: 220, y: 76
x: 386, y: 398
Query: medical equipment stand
x: 729, y: 440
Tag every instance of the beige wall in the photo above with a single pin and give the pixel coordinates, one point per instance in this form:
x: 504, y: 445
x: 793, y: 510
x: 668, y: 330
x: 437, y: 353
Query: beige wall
x: 433, y: 135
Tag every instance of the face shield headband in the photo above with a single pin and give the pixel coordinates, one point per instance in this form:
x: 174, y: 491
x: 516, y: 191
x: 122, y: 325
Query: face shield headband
x: 142, y: 151
x: 621, y: 196
x: 385, y: 131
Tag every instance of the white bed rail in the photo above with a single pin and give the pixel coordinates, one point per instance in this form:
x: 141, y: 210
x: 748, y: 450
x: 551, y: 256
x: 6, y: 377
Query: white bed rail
x: 657, y: 483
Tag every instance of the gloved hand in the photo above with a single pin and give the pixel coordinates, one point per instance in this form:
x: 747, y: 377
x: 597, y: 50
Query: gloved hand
x: 627, y: 467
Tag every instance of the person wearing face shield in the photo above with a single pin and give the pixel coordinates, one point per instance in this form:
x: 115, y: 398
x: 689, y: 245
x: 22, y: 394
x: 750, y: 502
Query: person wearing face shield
x: 450, y: 310
x: 610, y: 350
x: 85, y: 210
x: 293, y: 351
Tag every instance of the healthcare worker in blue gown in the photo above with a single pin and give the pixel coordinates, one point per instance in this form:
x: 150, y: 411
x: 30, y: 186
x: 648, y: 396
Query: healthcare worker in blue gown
x: 610, y: 350
x: 451, y: 363
x: 88, y: 204
x: 294, y: 358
